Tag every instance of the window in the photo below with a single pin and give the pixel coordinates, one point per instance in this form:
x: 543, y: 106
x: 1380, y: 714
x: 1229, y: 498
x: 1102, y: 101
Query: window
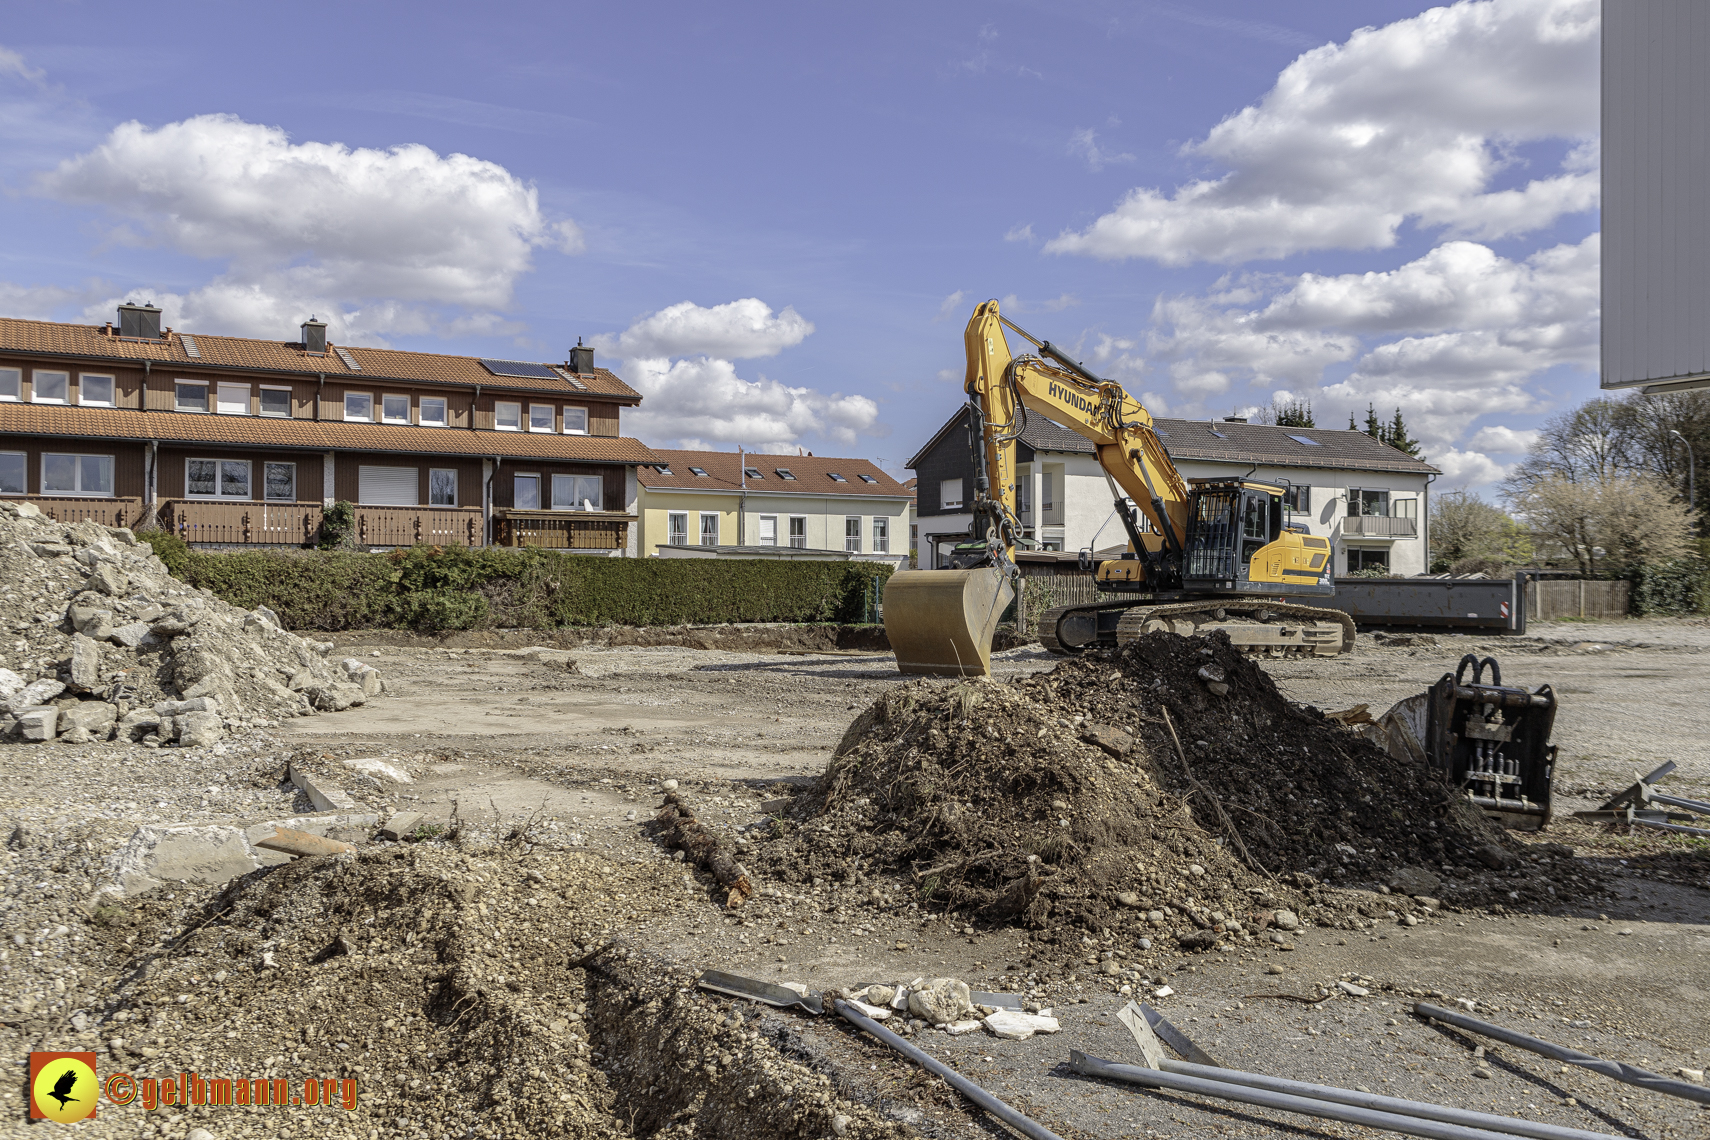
x: 540, y: 417
x: 276, y: 402
x: 662, y: 468
x: 1362, y: 560
x: 709, y: 528
x: 785, y: 473
x: 698, y: 472
x: 189, y: 396
x: 77, y: 474
x: 1306, y: 439
x: 507, y: 417
x: 881, y: 534
x: 52, y: 387
x: 394, y: 409
x: 1367, y: 502
x: 389, y: 486
x: 359, y: 406
x: 232, y: 399
x: 526, y: 497
x: 836, y: 478
x: 576, y: 492
x: 442, y: 487
x: 677, y: 524
x: 11, y: 383
x: 216, y: 478
x: 575, y: 421
x: 96, y: 391
x: 852, y: 533
x: 1297, y: 498
x: 433, y: 411
x: 868, y: 479
x: 11, y: 473
x: 753, y: 472
x: 1256, y: 516
x: 768, y: 530
x: 798, y: 531
x: 1404, y: 508
x: 950, y: 493
x: 279, y: 482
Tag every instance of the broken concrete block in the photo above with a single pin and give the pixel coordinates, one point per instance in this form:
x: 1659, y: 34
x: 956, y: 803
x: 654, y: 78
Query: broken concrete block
x: 136, y: 724
x: 85, y: 662
x: 93, y: 717
x: 50, y: 549
x: 25, y: 510
x: 107, y: 579
x: 198, y: 729
x: 957, y: 1028
x: 91, y: 621
x: 33, y: 694
x: 379, y: 769
x: 1012, y: 1026
x: 324, y: 795
x: 194, y: 704
x: 131, y: 636
x: 187, y: 853
x: 300, y: 680
x: 872, y: 1011
x: 336, y: 697
x: 10, y: 684
x: 940, y: 1001
x: 40, y: 723
x: 402, y: 825
x: 371, y: 682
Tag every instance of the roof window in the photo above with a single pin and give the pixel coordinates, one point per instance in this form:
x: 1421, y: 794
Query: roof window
x: 836, y: 478
x: 868, y: 479
x: 785, y: 473
x: 698, y: 472
x: 753, y: 472
x: 1306, y: 439
x: 662, y: 468
x: 1216, y: 433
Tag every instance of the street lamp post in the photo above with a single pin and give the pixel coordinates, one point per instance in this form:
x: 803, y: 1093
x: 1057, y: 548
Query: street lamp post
x: 1691, y: 462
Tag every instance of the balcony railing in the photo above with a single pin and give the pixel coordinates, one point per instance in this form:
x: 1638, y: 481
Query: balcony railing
x: 276, y: 523
x: 1380, y: 526
x: 419, y: 526
x: 563, y: 530
x: 106, y: 511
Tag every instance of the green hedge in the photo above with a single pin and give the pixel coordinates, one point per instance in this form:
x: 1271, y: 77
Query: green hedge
x: 1672, y: 588
x: 436, y: 588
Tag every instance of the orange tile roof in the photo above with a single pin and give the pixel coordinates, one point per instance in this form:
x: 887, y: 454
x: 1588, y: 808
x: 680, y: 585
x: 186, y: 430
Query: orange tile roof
x: 255, y: 431
x: 812, y: 474
x: 92, y: 341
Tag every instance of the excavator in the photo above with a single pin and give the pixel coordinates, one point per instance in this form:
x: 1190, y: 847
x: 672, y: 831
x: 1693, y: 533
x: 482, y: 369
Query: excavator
x: 1202, y: 555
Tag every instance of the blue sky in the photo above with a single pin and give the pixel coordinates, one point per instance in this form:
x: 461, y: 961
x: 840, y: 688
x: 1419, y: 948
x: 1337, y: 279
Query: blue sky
x: 774, y: 219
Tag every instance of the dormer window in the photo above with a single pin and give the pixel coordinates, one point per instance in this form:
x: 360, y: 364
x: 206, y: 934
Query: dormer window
x: 753, y: 472
x: 836, y: 478
x: 698, y: 472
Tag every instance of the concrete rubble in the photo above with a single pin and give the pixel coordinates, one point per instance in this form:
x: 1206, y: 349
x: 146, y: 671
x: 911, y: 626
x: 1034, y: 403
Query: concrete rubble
x: 99, y: 642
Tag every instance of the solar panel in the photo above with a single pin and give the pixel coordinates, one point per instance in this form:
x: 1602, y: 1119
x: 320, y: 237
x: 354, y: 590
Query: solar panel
x: 520, y: 368
x: 349, y: 360
x: 189, y: 343
x: 570, y: 377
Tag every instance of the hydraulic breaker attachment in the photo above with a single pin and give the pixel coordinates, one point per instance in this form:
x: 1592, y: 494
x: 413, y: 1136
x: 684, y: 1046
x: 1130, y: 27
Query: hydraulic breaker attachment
x: 1493, y: 742
x: 940, y: 622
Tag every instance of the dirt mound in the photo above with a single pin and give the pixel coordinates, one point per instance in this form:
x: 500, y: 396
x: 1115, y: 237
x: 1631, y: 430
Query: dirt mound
x: 1064, y: 798
x: 109, y: 645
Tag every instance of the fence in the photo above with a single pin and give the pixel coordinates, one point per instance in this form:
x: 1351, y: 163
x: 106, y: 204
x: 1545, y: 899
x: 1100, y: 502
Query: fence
x: 1552, y: 600
x: 116, y: 512
x: 240, y: 524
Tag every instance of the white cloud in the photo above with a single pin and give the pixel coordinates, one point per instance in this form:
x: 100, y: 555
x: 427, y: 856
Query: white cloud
x: 1083, y: 144
x: 734, y: 330
x: 703, y: 399
x: 1412, y: 120
x: 1021, y: 233
x: 1468, y: 468
x: 381, y: 241
x: 12, y: 63
x: 1504, y: 440
x: 951, y: 306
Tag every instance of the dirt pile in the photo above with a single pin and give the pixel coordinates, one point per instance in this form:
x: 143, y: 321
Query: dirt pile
x: 470, y: 992
x: 103, y: 643
x: 1063, y: 798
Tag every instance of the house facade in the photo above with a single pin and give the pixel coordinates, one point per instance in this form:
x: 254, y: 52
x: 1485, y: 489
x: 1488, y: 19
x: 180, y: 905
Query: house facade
x: 1369, y: 499
x: 727, y: 504
x: 231, y: 441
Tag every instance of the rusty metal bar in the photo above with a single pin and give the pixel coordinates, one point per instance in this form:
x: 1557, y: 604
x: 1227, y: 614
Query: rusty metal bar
x: 302, y: 843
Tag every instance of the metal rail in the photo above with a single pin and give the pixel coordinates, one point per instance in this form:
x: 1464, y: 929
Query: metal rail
x: 961, y: 1084
x: 1615, y: 1070
x: 1697, y: 806
x: 1659, y: 825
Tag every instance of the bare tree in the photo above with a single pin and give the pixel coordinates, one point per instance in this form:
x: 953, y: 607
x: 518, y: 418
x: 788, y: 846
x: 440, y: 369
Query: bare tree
x: 1606, y: 526
x: 1465, y: 527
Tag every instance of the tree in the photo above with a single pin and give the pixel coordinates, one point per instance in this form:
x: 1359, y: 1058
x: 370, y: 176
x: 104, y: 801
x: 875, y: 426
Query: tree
x: 1398, y: 438
x: 1294, y: 413
x: 1609, y: 526
x: 1591, y: 444
x: 1466, y: 528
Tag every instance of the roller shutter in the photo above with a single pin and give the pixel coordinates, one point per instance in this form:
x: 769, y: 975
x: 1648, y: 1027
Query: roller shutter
x: 389, y: 486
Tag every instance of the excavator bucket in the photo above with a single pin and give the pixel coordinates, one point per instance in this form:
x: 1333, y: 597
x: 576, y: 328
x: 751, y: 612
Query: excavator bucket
x: 940, y: 622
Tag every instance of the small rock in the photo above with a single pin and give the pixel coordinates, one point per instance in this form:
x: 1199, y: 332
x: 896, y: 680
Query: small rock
x: 1286, y: 920
x: 839, y: 1124
x: 85, y: 662
x: 1623, y: 933
x: 1012, y: 1026
x: 1273, y: 968
x: 940, y: 1001
x: 878, y: 995
x: 1493, y: 857
x: 669, y: 785
x: 1409, y: 920
x: 957, y: 1028
x: 38, y: 724
x: 1143, y: 943
x: 1195, y: 870
x: 1467, y: 1004
x: 1128, y: 898
x: 1482, y: 1073
x: 1696, y: 1075
x: 1162, y: 992
x: 10, y: 683
x: 1110, y: 967
x: 875, y: 1012
x: 1352, y: 990
x: 131, y: 636
x: 401, y: 825
x: 93, y: 717
x: 379, y: 769
x: 198, y: 1134
x: 107, y: 579
x: 197, y: 729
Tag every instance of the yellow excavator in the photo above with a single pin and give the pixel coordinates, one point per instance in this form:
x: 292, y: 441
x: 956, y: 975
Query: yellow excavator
x: 1205, y: 554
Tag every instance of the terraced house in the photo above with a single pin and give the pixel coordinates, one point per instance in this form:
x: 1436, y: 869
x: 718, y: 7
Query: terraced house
x: 231, y: 441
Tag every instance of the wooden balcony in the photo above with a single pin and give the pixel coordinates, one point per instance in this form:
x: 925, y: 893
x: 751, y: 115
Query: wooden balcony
x: 235, y: 524
x: 419, y: 526
x: 106, y: 511
x: 562, y: 530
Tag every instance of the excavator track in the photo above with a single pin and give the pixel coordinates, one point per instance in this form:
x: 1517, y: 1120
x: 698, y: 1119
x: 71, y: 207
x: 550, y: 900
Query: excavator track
x: 1274, y: 628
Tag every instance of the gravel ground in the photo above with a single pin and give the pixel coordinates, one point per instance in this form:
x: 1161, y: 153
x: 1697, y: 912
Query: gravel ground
x: 502, y: 742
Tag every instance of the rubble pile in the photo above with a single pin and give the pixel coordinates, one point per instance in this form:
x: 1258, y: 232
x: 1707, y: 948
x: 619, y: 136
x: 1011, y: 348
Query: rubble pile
x: 99, y: 642
x: 1062, y: 799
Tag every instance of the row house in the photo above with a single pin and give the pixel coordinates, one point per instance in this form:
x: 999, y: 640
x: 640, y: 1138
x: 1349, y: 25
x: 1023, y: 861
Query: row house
x: 231, y: 441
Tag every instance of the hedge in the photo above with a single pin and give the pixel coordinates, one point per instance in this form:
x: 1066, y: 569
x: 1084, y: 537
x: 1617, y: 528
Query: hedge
x: 1672, y: 588
x: 438, y: 588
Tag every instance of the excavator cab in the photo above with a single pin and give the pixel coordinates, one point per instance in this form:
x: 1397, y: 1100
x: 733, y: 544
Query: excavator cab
x: 1231, y: 524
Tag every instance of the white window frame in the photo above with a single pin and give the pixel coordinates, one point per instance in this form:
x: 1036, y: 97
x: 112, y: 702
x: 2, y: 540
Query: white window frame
x: 388, y: 418
x: 551, y: 417
x: 265, y: 486
x: 444, y: 419
x: 11, y: 385
x: 219, y: 494
x: 36, y: 396
x: 945, y: 503
x: 290, y: 399
x: 178, y: 387
x: 881, y: 534
x: 498, y: 423
x: 451, y: 471
x: 23, y: 472
x: 519, y: 477
x: 855, y: 538
x: 367, y: 419
x: 221, y: 389
x: 676, y: 535
x: 765, y: 539
x: 704, y: 533
x: 79, y: 491
x: 573, y: 412
x: 83, y: 379
x: 578, y: 484
x: 802, y: 519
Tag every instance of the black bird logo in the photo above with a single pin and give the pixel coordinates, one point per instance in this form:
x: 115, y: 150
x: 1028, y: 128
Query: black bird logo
x: 62, y: 1087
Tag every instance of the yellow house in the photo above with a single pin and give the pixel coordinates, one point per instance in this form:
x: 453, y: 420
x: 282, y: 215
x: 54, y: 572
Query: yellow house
x: 725, y: 504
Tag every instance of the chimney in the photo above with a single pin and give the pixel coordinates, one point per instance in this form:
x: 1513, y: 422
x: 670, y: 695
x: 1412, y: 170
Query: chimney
x: 315, y: 336
x: 1234, y: 419
x: 581, y: 359
x: 139, y: 322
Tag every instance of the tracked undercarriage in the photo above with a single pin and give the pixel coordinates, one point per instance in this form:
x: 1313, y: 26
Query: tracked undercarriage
x: 1275, y: 629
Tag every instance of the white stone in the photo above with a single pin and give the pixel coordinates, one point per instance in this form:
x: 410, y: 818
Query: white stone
x: 379, y: 769
x: 957, y: 1028
x: 39, y: 723
x: 131, y: 636
x: 1163, y: 991
x: 940, y: 1001
x: 1286, y: 920
x: 1352, y: 990
x: 872, y: 1011
x: 197, y: 729
x: 1012, y: 1026
x: 10, y: 683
